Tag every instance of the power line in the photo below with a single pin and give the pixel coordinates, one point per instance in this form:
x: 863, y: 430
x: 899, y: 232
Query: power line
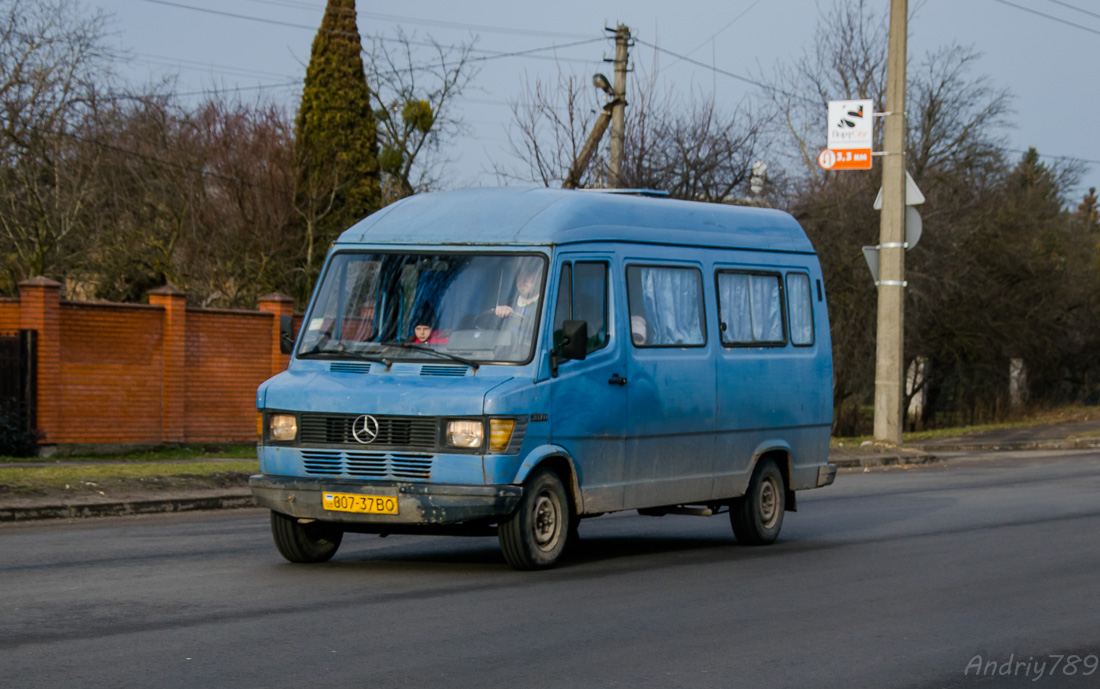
x: 400, y: 19
x: 1048, y: 16
x: 727, y: 73
x: 234, y: 15
x: 259, y: 87
x: 199, y: 65
x: 1071, y: 159
x: 813, y: 102
x: 1074, y: 7
x: 728, y: 25
x: 490, y: 54
x: 202, y: 172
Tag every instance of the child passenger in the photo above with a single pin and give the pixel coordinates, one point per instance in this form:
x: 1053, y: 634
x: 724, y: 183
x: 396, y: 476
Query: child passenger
x: 424, y: 334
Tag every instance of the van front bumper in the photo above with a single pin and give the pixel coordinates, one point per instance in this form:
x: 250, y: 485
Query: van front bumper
x: 417, y: 503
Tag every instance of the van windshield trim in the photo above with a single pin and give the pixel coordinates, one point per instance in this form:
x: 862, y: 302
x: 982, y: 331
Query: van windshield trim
x: 369, y: 298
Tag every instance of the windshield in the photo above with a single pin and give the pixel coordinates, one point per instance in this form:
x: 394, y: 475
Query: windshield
x: 473, y: 307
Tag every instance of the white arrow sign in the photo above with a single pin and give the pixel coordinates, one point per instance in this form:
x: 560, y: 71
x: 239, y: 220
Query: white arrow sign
x: 913, y: 227
x: 913, y: 195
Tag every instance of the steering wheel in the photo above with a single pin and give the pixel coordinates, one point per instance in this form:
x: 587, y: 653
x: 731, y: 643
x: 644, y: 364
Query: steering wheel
x: 487, y: 320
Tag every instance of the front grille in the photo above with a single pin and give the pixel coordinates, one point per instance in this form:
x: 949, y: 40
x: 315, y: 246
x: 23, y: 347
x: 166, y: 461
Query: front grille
x: 399, y: 432
x: 380, y: 465
x: 325, y: 463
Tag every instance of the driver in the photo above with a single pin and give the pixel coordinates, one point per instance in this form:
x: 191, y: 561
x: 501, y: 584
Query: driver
x: 527, y: 294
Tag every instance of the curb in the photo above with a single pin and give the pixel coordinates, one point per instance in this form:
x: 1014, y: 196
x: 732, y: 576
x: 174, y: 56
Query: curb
x: 120, y: 509
x: 882, y: 461
x: 1067, y: 444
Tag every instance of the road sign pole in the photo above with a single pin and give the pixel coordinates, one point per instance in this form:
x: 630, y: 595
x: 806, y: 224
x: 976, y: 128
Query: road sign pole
x: 889, y: 362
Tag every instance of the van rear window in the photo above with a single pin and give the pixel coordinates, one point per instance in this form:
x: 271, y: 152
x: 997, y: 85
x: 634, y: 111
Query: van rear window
x: 666, y: 306
x: 800, y: 303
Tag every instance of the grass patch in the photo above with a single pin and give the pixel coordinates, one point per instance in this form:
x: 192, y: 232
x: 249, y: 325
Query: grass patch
x: 240, y: 451
x: 64, y: 475
x: 1069, y: 414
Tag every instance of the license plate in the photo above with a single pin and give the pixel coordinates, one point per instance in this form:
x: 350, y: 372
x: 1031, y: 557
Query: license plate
x: 363, y: 504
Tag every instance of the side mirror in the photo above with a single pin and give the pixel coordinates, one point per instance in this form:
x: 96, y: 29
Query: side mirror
x: 574, y: 340
x: 286, y: 334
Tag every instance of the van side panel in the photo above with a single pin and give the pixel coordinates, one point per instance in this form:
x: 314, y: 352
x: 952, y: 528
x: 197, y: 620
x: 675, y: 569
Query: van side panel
x: 771, y: 394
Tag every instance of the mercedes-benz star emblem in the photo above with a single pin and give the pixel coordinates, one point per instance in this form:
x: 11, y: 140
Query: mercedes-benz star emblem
x: 365, y: 429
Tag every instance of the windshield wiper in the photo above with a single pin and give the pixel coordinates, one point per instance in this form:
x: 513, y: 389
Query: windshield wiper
x: 446, y: 355
x: 341, y: 350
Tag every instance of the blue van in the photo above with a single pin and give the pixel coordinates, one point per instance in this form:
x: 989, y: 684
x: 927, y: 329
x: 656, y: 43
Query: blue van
x: 511, y: 361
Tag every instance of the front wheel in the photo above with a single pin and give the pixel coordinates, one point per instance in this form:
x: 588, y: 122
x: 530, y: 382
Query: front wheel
x: 536, y: 533
x: 297, y: 542
x: 757, y: 516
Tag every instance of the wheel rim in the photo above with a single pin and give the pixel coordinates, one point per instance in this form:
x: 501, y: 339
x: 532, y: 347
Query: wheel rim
x: 546, y: 520
x: 769, y: 502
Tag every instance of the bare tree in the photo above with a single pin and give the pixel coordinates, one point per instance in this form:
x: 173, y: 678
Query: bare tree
x: 686, y: 145
x: 954, y: 120
x: 847, y: 59
x: 551, y: 123
x: 415, y: 98
x: 51, y: 59
x: 1000, y: 272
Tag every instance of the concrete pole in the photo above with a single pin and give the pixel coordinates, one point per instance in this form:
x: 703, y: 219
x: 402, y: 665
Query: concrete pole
x: 891, y: 289
x: 618, y: 113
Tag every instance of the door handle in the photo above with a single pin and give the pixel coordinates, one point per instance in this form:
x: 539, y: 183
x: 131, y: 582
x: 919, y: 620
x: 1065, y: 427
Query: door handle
x: 616, y: 379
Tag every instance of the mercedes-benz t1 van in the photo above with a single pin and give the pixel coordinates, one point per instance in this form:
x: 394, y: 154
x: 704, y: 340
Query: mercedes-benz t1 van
x: 512, y: 361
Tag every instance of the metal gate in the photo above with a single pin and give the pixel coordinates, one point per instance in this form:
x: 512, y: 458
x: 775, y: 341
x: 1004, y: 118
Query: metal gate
x: 17, y: 378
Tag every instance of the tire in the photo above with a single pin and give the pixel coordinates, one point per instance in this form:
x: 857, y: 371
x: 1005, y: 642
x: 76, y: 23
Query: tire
x: 757, y: 516
x: 536, y: 534
x: 314, y: 542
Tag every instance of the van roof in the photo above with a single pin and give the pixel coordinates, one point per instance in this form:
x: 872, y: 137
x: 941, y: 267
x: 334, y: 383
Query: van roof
x: 514, y: 216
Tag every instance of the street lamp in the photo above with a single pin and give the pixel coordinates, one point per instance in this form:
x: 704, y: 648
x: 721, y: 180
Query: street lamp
x: 601, y: 82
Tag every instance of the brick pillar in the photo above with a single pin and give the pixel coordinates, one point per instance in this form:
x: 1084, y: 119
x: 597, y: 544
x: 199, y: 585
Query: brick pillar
x: 279, y: 305
x: 40, y: 309
x: 173, y: 352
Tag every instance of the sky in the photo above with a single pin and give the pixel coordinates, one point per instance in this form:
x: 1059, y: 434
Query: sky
x: 1043, y: 51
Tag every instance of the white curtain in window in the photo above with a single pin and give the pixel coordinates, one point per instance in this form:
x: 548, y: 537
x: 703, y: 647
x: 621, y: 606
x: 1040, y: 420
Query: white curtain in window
x: 767, y: 321
x: 673, y: 312
x: 799, y: 301
x: 751, y: 307
x: 735, y: 295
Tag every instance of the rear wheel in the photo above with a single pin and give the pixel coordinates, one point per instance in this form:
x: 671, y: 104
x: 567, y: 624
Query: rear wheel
x: 757, y: 516
x: 297, y: 542
x: 536, y: 533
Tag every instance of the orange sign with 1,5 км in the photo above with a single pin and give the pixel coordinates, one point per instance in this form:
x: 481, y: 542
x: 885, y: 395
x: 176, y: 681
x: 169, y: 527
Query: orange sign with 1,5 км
x: 845, y: 159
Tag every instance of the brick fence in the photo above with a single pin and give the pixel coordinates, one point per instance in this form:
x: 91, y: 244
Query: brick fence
x: 146, y: 374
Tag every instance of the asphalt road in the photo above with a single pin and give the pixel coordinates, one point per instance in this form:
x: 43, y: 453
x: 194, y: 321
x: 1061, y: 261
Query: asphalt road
x: 885, y: 579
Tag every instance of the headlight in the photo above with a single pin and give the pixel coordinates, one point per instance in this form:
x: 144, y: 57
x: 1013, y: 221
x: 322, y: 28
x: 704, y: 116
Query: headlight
x: 468, y: 434
x: 283, y: 427
x: 500, y: 434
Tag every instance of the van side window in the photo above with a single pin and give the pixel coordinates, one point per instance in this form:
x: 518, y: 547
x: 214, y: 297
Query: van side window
x: 750, y: 308
x: 666, y: 306
x: 582, y: 295
x: 800, y: 304
x: 563, y: 311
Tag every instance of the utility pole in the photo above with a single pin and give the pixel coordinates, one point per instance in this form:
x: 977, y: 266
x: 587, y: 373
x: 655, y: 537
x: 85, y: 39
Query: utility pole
x: 890, y: 359
x: 583, y: 158
x: 618, y: 113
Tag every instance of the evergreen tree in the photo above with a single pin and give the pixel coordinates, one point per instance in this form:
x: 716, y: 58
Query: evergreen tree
x: 335, y: 136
